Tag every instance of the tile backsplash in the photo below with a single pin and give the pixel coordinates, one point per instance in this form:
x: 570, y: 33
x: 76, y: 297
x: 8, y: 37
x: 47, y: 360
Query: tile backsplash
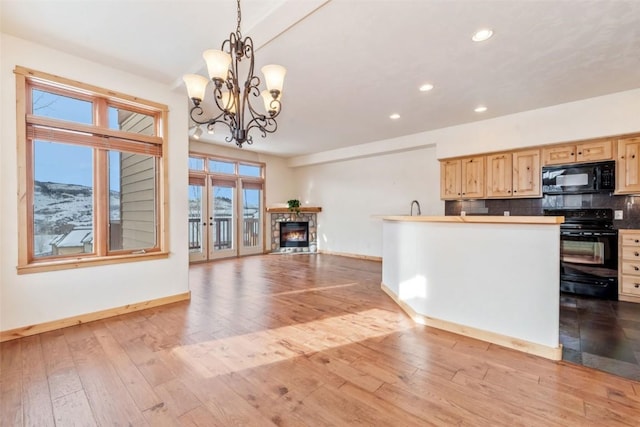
x: 629, y: 205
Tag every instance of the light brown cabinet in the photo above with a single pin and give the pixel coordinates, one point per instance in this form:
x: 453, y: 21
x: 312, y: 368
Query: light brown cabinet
x: 628, y: 166
x: 578, y: 153
x: 515, y: 174
x: 527, y: 174
x: 462, y: 178
x: 629, y: 265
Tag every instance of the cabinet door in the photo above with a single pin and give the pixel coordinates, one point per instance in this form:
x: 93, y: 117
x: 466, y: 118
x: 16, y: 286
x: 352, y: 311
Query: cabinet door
x: 499, y: 175
x: 594, y: 151
x: 450, y: 184
x: 628, y: 167
x: 473, y: 178
x: 526, y: 173
x: 559, y: 155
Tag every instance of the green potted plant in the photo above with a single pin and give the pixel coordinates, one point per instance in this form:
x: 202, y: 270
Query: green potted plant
x: 294, y: 205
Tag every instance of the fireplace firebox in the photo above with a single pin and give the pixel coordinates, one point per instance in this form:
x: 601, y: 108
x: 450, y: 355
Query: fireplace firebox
x: 294, y: 234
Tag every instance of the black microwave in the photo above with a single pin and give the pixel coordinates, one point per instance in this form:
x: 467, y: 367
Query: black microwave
x: 579, y: 178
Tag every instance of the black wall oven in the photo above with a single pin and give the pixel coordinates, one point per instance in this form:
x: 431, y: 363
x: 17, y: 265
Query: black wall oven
x: 588, y: 252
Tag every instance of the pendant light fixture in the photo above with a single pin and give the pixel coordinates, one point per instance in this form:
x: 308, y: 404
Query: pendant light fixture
x: 232, y: 98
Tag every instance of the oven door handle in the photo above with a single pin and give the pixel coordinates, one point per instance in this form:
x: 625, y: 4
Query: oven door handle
x: 588, y: 233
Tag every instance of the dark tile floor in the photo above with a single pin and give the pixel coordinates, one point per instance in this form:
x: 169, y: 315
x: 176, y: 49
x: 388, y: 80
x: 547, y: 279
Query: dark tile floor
x: 601, y: 334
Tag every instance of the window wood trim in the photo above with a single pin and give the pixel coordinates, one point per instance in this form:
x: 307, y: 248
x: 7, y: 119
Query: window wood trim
x: 75, y: 86
x: 26, y: 124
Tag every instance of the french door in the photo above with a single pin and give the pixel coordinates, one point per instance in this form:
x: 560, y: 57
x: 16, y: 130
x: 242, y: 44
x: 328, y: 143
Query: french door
x: 225, y: 216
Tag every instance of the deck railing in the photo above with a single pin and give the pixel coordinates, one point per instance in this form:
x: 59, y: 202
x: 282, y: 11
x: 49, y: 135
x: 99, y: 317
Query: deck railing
x: 223, y: 229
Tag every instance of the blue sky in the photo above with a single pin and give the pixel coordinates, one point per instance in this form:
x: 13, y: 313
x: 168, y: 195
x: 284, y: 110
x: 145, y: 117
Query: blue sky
x: 66, y: 163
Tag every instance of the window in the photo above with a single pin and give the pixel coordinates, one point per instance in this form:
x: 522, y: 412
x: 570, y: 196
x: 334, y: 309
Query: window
x: 92, y: 175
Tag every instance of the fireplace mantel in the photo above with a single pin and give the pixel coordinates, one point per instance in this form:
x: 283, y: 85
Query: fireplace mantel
x: 302, y: 209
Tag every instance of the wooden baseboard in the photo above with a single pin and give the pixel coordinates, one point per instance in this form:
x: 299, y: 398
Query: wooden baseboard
x: 348, y: 255
x: 89, y: 317
x: 553, y: 353
x: 628, y: 298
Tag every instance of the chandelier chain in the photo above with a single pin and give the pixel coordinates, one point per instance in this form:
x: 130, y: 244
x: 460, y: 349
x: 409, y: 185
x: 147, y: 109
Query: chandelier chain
x: 239, y: 17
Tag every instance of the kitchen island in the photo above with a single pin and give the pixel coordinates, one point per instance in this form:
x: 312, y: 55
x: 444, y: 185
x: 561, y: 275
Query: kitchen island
x: 495, y: 278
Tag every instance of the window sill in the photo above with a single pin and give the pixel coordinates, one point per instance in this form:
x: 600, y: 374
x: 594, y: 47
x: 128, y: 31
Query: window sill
x: 67, y: 264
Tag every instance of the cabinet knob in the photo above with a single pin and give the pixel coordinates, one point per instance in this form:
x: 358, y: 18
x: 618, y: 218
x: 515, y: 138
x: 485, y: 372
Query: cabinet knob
x: 579, y: 153
x: 637, y: 241
x: 636, y: 268
x: 636, y: 285
x: 636, y: 254
x: 572, y: 154
x: 515, y: 191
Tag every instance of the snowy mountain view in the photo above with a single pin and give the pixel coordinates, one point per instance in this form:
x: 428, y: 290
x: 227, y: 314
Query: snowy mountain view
x: 59, y: 208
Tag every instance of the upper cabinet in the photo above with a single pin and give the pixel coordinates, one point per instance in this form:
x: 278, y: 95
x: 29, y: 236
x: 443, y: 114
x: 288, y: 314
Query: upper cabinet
x: 527, y: 174
x: 450, y: 185
x: 519, y: 173
x: 514, y: 174
x: 578, y: 153
x: 628, y: 166
x: 499, y: 175
x: 462, y: 178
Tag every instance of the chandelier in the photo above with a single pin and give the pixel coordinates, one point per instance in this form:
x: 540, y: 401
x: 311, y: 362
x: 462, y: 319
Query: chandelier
x: 232, y: 98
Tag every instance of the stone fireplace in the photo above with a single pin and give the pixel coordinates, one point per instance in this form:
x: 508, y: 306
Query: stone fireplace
x: 293, y: 232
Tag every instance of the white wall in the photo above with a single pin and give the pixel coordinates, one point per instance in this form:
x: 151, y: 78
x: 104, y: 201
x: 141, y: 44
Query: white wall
x: 352, y: 192
x: 608, y: 115
x: 382, y: 177
x: 42, y: 297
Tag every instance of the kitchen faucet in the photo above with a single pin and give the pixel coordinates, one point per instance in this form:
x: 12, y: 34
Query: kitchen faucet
x: 418, y: 204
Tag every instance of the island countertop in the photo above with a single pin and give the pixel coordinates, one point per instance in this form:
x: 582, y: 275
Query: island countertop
x: 478, y: 219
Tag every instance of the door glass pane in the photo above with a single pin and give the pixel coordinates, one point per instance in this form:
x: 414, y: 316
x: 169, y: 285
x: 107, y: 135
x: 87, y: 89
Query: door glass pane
x: 250, y: 170
x: 218, y: 166
x: 196, y: 218
x: 132, y: 201
x: 62, y: 199
x: 223, y: 208
x: 196, y: 163
x: 251, y: 217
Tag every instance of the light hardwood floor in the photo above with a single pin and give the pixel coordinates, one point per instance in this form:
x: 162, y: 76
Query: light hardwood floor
x: 292, y: 340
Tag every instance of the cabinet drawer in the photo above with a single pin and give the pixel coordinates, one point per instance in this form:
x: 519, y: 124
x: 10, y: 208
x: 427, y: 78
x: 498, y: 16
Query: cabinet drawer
x: 630, y: 285
x: 630, y: 253
x: 629, y: 239
x: 631, y: 268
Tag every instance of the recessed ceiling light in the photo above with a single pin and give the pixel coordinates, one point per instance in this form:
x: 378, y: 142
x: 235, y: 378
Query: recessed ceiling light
x: 482, y: 35
x: 426, y: 87
x: 480, y: 109
x: 394, y: 116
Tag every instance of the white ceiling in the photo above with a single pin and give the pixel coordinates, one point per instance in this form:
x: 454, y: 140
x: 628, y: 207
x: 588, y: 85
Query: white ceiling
x: 351, y: 63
